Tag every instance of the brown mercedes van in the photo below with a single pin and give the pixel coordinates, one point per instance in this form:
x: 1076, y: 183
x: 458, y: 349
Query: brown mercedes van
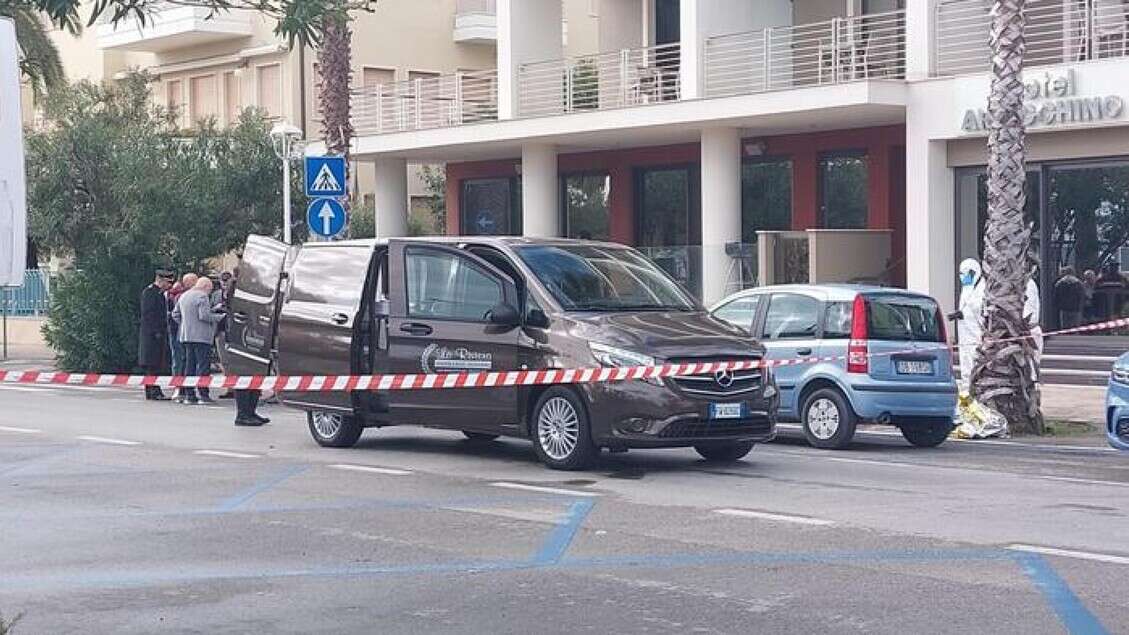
x: 474, y: 304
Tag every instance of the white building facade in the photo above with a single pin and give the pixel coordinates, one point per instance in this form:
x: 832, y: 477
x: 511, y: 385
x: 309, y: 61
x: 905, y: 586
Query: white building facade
x: 782, y: 140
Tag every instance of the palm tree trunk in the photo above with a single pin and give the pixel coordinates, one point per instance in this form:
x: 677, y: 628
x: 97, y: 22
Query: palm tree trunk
x: 335, y: 65
x: 1006, y: 375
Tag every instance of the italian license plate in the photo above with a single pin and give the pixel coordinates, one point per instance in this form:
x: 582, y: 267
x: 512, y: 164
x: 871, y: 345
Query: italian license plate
x: 914, y: 368
x: 726, y: 410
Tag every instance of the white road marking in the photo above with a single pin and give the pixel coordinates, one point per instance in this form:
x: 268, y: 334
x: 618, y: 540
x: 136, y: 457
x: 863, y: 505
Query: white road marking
x: 370, y: 469
x: 784, y: 518
x: 20, y: 388
x: 19, y: 430
x: 1085, y: 481
x: 1067, y: 553
x: 543, y: 490
x: 794, y: 427
x: 108, y: 440
x: 225, y: 454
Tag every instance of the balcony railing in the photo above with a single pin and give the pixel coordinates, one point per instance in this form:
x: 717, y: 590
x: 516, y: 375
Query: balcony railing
x: 476, y: 21
x: 1057, y: 32
x: 869, y: 46
x: 438, y: 102
x: 463, y: 7
x: 604, y: 81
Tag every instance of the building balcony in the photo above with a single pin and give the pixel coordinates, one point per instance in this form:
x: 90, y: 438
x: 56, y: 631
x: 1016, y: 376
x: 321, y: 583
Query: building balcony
x: 476, y: 22
x: 437, y: 102
x: 1057, y: 32
x: 171, y: 26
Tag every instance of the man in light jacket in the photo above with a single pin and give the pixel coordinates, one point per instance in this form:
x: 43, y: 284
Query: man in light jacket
x: 198, y: 322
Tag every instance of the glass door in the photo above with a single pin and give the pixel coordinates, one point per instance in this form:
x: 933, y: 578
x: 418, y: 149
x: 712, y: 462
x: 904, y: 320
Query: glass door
x: 668, y: 221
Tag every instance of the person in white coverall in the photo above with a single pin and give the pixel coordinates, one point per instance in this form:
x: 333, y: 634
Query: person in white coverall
x: 970, y: 322
x: 1031, y: 312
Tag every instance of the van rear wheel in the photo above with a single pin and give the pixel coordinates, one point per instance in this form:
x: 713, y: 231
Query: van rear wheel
x: 333, y: 429
x: 559, y: 427
x: 828, y: 421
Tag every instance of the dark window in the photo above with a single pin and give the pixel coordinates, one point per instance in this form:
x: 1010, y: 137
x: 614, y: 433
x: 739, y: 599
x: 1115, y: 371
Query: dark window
x: 491, y: 207
x: 445, y: 286
x: 766, y: 197
x: 843, y: 188
x: 837, y: 321
x: 668, y: 21
x: 902, y: 318
x: 586, y: 206
x: 739, y: 312
x: 791, y: 316
x: 667, y: 224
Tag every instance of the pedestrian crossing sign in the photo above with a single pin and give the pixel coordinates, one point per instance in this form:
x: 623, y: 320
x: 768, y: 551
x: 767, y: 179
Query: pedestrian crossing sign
x: 325, y: 176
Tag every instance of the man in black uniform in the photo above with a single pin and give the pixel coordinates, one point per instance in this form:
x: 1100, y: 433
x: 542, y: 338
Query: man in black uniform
x: 153, y: 344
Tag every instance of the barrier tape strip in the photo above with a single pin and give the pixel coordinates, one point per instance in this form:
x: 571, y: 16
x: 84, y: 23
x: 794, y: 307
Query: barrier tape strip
x: 432, y: 381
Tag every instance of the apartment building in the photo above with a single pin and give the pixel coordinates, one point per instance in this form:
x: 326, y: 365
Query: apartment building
x: 747, y: 142
x: 216, y: 66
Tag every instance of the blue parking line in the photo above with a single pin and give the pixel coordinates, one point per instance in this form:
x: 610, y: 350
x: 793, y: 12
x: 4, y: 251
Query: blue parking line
x: 1077, y: 619
x: 235, y: 501
x: 561, y: 537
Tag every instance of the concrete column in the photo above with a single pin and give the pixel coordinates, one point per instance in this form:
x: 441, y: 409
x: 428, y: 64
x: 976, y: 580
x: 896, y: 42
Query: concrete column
x: 528, y: 31
x: 721, y: 207
x: 391, y: 198
x: 919, y: 41
x: 930, y: 236
x: 540, y: 196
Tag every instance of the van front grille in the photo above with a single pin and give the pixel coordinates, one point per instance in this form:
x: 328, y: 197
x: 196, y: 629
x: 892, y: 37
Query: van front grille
x: 720, y: 384
x: 697, y: 428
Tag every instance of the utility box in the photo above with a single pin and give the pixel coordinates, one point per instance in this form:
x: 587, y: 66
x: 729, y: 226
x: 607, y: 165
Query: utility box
x: 825, y: 255
x: 13, y: 187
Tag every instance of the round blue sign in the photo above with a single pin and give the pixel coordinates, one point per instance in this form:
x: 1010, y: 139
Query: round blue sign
x: 325, y: 216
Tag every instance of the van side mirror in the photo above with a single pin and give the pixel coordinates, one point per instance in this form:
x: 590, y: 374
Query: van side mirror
x: 537, y: 319
x: 503, y: 315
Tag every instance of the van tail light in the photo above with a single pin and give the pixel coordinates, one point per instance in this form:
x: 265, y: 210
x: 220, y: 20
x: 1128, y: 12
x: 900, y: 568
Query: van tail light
x: 857, y: 358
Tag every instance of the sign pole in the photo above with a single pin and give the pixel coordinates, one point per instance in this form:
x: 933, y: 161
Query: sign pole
x: 286, y: 238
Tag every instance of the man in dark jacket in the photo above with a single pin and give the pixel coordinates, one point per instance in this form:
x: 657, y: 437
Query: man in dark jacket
x: 153, y: 343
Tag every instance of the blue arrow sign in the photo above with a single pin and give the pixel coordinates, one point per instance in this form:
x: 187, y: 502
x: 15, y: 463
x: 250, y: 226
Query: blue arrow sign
x: 325, y: 176
x: 325, y: 216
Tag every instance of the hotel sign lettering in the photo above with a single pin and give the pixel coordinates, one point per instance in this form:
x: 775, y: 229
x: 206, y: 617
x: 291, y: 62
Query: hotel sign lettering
x: 1054, y: 101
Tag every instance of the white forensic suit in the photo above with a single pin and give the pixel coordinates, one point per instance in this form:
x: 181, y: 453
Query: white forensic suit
x: 970, y: 325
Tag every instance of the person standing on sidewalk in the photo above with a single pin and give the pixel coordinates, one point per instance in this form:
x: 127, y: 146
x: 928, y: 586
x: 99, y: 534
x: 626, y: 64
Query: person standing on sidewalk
x: 177, y: 347
x: 198, y: 322
x: 153, y: 345
x: 1070, y: 298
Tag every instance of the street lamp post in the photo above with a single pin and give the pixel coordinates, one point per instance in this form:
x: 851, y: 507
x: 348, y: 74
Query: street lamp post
x: 285, y: 140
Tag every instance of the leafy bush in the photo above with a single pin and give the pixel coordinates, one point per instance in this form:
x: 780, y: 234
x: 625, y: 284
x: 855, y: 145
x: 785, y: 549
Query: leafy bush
x: 117, y: 188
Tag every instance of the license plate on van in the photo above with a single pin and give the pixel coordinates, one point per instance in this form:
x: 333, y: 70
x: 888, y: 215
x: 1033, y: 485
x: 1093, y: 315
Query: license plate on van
x: 726, y: 410
x: 906, y: 367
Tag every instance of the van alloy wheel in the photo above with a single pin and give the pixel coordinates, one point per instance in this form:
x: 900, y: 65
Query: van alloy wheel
x: 823, y: 418
x: 327, y: 424
x: 558, y: 428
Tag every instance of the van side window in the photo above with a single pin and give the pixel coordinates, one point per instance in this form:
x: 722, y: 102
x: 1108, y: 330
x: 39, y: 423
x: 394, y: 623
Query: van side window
x: 791, y: 316
x: 445, y: 286
x: 837, y: 321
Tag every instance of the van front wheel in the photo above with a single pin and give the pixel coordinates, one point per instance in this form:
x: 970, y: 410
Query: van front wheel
x: 560, y: 431
x: 333, y: 429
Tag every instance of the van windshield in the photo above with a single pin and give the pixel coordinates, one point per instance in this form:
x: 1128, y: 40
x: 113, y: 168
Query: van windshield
x: 903, y: 318
x: 602, y: 278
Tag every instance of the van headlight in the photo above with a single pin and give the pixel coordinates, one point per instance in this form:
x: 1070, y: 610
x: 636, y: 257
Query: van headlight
x: 618, y: 357
x: 1120, y: 375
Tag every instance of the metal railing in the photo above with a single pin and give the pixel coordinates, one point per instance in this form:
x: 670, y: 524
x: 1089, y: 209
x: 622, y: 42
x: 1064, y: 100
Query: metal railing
x: 33, y: 298
x: 629, y: 77
x: 839, y: 50
x: 1057, y: 32
x: 463, y: 7
x: 436, y: 102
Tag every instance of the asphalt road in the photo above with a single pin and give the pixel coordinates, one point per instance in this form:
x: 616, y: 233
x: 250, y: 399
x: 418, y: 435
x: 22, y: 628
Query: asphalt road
x: 118, y: 515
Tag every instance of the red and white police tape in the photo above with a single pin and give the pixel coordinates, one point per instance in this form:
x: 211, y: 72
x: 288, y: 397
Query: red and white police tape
x: 490, y: 379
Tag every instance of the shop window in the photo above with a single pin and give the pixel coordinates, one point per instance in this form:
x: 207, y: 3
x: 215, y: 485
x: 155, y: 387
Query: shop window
x: 373, y: 77
x: 232, y: 105
x: 843, y: 188
x: 491, y: 207
x: 174, y: 99
x: 585, y: 202
x: 668, y: 225
x: 766, y: 197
